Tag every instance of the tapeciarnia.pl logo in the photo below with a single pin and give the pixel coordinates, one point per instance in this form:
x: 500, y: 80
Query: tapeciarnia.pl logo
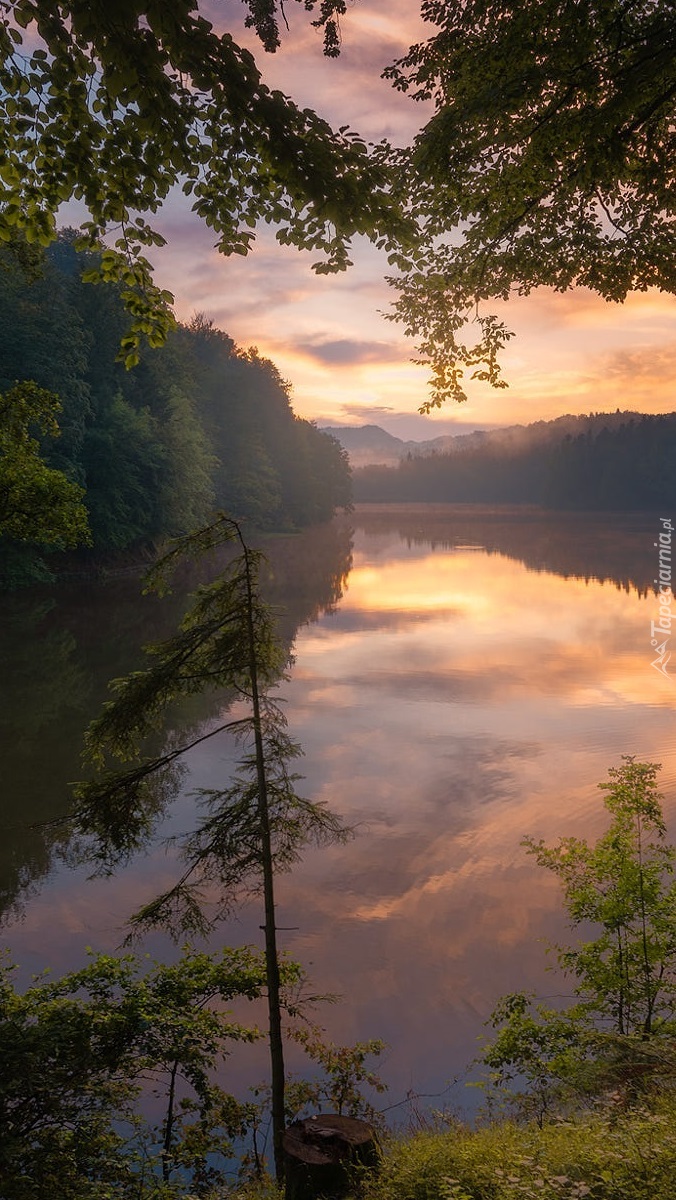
x: 660, y: 631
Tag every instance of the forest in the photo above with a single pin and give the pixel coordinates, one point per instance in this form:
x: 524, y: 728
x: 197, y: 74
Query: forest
x: 198, y: 424
x: 614, y: 462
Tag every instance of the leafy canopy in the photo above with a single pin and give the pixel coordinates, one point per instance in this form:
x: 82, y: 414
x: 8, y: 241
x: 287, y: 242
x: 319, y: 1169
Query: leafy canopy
x: 115, y: 106
x: 548, y: 162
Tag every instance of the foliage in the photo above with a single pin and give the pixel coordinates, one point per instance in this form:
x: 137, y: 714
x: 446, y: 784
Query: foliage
x: 611, y: 1156
x: 197, y: 423
x: 123, y: 460
x: 547, y: 162
x: 625, y: 886
x: 543, y: 1063
x: 37, y: 503
x: 620, y: 1032
x: 274, y: 468
x: 81, y: 1052
x: 117, y: 114
x: 345, y: 1074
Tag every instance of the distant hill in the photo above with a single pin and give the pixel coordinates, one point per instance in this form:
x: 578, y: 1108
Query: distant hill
x: 616, y: 461
x: 368, y: 445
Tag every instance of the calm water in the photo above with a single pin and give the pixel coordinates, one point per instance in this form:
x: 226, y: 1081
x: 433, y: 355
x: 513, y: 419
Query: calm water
x: 462, y: 678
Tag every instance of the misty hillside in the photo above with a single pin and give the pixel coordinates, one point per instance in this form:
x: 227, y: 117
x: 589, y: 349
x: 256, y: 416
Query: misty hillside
x: 606, y: 461
x: 370, y: 445
x: 367, y: 444
x: 198, y: 425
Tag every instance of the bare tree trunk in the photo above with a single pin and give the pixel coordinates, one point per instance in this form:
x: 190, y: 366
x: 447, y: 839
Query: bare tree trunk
x: 169, y: 1124
x: 271, y: 957
x: 647, y: 973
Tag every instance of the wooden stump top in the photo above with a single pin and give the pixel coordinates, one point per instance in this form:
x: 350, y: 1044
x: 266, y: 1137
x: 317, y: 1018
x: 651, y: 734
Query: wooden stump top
x: 327, y: 1138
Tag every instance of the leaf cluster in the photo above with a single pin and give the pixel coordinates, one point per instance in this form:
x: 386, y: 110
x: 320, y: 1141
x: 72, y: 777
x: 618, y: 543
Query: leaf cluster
x: 116, y: 110
x: 80, y: 1052
x: 345, y: 1075
x: 547, y: 162
x: 625, y: 887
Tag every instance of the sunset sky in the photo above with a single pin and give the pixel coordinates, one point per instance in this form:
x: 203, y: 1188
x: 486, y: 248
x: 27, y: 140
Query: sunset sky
x: 346, y: 363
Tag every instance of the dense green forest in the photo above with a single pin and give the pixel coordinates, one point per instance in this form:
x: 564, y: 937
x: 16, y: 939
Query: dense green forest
x: 615, y: 462
x: 198, y: 424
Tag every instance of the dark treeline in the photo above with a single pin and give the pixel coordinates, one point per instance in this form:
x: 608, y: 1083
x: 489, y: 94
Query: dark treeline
x: 607, y: 466
x: 197, y: 425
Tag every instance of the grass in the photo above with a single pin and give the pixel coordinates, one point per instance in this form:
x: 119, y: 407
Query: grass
x: 611, y: 1155
x: 616, y: 1155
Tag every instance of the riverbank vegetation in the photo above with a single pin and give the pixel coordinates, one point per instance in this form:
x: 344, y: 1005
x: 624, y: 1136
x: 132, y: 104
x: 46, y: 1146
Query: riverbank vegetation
x: 198, y: 424
x: 613, y: 1154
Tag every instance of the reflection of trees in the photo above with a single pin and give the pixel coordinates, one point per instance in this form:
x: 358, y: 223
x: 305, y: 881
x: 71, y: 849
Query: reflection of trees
x: 610, y: 547
x: 59, y: 650
x: 45, y: 689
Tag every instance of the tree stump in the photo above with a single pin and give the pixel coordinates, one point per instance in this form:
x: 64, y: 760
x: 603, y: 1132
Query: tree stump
x: 323, y: 1154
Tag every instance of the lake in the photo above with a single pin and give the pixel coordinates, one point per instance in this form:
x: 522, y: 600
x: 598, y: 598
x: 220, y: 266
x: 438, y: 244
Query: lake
x: 462, y: 677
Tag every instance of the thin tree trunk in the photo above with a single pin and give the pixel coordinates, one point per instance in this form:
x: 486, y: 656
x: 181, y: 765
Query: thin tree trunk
x: 620, y: 996
x: 169, y: 1125
x: 271, y: 956
x: 647, y: 974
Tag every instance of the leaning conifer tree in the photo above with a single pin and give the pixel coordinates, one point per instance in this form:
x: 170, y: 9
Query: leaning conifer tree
x: 251, y: 829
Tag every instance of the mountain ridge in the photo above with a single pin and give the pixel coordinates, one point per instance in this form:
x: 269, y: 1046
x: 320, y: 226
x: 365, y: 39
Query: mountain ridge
x: 371, y: 445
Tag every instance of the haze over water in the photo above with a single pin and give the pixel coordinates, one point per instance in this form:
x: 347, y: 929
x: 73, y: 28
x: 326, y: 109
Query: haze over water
x: 472, y: 684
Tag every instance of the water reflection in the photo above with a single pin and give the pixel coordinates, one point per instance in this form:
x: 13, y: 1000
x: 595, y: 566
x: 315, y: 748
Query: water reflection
x: 612, y: 547
x: 457, y: 701
x: 473, y: 684
x: 59, y: 649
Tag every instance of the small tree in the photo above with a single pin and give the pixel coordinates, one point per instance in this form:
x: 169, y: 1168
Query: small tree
x: 253, y: 827
x: 345, y: 1073
x: 624, y: 887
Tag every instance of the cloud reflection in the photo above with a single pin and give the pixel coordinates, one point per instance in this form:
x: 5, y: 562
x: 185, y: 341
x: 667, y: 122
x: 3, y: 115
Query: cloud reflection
x: 443, y: 740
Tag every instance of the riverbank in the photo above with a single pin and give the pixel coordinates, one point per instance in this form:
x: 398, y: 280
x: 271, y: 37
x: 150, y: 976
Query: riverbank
x: 610, y: 1154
